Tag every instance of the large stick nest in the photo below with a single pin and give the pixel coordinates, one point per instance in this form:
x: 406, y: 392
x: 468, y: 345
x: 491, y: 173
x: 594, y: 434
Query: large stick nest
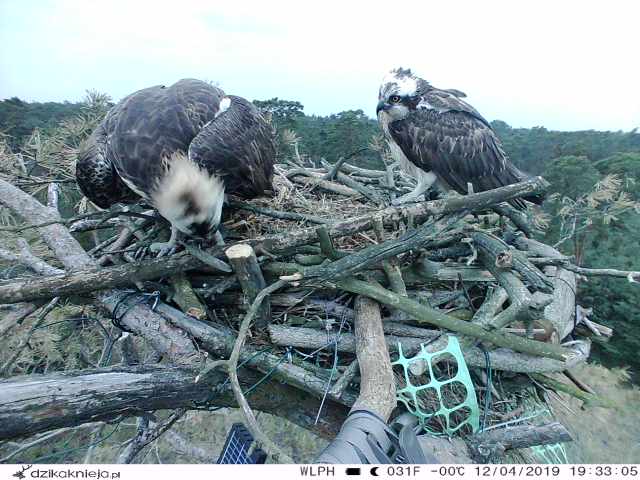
x: 468, y: 265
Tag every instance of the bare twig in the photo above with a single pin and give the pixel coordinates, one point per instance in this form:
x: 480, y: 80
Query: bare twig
x: 147, y: 435
x: 247, y: 413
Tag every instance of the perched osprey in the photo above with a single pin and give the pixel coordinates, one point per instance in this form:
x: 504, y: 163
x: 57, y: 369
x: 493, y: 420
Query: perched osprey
x: 436, y: 136
x: 181, y: 148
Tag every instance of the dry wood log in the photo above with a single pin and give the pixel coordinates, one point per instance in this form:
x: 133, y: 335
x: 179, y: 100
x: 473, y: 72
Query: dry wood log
x: 451, y: 272
x: 491, y: 445
x: 536, y: 248
x: 589, y: 329
x: 332, y: 169
x: 561, y: 311
x: 38, y: 403
x: 304, y: 177
x: 501, y: 359
x: 492, y: 304
x: 245, y: 265
x: 518, y: 218
x: 85, y: 281
x: 363, y: 172
x: 185, y: 296
x: 377, y: 383
x: 516, y: 260
x: 524, y: 306
x: 363, y: 190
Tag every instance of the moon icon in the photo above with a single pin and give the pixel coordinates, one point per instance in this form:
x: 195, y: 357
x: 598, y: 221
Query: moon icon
x: 373, y: 471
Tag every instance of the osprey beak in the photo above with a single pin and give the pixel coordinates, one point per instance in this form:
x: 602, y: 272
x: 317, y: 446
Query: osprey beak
x: 381, y: 106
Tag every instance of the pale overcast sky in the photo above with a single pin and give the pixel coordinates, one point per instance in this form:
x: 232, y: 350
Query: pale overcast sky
x: 564, y: 65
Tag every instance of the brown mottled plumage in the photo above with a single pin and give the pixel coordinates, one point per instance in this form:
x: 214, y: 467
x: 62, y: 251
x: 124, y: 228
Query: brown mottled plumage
x: 220, y: 144
x: 181, y: 148
x: 442, y: 137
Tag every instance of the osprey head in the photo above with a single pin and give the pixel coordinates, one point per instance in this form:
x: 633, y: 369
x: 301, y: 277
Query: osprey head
x: 189, y: 197
x: 399, y: 93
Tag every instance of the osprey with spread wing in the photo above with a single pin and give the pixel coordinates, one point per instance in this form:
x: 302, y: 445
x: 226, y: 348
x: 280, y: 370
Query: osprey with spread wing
x: 181, y: 148
x: 438, y: 137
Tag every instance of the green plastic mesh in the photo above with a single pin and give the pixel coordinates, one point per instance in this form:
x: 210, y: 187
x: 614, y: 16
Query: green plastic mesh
x: 419, y: 375
x: 553, y: 453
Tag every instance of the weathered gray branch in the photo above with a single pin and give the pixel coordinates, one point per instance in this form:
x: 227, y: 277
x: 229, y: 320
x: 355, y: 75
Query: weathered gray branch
x: 85, y: 281
x: 491, y: 445
x: 303, y: 176
x: 135, y: 316
x: 219, y: 341
x: 377, y: 384
x: 513, y: 259
x: 245, y: 265
x: 501, y: 358
x: 560, y: 313
x: 422, y: 313
x: 38, y: 403
x: 149, y: 433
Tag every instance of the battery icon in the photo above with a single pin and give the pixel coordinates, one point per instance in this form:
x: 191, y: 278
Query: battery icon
x: 353, y: 471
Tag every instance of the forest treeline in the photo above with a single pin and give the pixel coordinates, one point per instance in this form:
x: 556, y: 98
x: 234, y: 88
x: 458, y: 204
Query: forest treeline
x: 592, y: 214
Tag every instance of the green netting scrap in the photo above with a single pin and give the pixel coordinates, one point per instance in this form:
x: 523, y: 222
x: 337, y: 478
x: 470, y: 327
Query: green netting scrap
x: 551, y: 453
x: 408, y: 394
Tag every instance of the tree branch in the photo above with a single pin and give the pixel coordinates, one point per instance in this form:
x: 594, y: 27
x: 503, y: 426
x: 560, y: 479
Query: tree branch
x: 37, y: 403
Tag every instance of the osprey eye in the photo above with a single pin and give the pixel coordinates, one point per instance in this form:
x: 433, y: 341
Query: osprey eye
x: 394, y: 99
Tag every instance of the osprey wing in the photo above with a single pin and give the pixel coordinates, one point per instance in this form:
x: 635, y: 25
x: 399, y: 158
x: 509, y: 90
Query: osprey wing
x: 239, y: 145
x: 449, y: 137
x: 96, y: 174
x: 150, y: 125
